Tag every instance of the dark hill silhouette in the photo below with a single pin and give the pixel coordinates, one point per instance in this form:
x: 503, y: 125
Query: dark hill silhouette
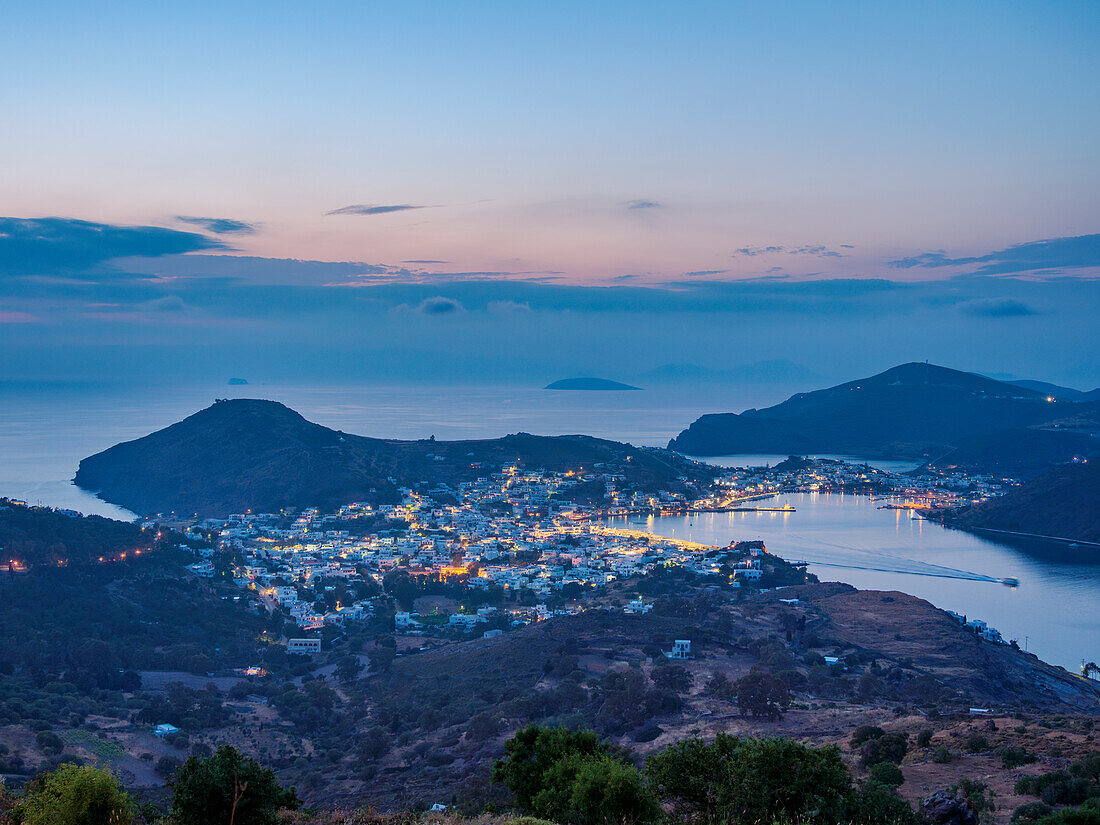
x: 1067, y: 393
x: 1020, y: 454
x: 249, y: 454
x: 589, y: 384
x: 910, y: 411
x: 1063, y: 503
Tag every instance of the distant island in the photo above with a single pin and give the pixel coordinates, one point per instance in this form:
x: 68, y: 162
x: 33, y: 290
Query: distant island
x: 238, y: 382
x: 248, y: 454
x: 915, y: 411
x: 589, y: 384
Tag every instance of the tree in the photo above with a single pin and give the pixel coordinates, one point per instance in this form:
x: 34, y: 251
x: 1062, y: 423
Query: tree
x: 890, y: 747
x: 348, y: 668
x: 978, y: 794
x: 761, y: 694
x: 532, y: 752
x: 573, y: 778
x: 690, y: 775
x: 600, y: 790
x: 751, y: 780
x: 887, y: 773
x: 227, y: 788
x: 75, y: 795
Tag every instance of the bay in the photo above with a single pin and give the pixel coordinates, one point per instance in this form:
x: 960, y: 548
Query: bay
x: 1054, y: 612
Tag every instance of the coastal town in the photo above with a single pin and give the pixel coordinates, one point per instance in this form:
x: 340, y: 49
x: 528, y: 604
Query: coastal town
x: 519, y: 548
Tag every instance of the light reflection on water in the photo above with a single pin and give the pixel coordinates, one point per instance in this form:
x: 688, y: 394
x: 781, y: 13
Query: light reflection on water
x: 847, y: 538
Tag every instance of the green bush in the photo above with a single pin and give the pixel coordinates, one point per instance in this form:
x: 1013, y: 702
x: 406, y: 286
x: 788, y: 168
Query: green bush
x: 890, y: 747
x: 865, y: 733
x: 211, y: 790
x: 751, y: 780
x: 942, y: 755
x: 75, y: 795
x: 572, y: 777
x: 1031, y: 812
x: 1013, y: 757
x: 976, y: 743
x: 887, y: 773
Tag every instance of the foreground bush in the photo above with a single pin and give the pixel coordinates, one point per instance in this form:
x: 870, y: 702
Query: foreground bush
x: 227, y: 787
x: 74, y: 795
x: 575, y: 779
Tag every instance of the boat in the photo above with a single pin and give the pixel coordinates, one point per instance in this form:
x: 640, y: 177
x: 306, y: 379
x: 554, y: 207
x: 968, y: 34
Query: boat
x: 787, y: 508
x: 1010, y: 581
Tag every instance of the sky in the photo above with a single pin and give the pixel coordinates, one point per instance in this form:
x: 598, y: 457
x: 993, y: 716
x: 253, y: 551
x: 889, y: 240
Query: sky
x: 519, y: 191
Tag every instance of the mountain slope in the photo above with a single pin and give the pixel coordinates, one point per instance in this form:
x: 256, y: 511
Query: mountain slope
x: 1020, y: 454
x: 913, y: 410
x: 1067, y: 393
x: 1063, y: 503
x: 249, y: 454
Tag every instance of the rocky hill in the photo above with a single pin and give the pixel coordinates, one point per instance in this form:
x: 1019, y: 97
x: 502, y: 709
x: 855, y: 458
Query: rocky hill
x: 911, y: 411
x: 244, y: 454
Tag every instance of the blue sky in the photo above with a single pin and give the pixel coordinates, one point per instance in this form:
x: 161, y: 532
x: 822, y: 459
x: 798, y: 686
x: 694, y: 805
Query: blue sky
x: 568, y: 159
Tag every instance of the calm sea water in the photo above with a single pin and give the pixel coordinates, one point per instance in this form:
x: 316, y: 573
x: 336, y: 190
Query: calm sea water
x: 1055, y: 611
x: 46, y: 430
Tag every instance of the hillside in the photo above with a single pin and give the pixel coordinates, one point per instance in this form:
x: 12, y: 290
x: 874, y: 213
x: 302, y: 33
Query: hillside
x: 1068, y: 393
x: 1064, y: 503
x: 910, y: 411
x: 245, y: 454
x: 1021, y: 454
x: 897, y: 652
x: 32, y: 537
x: 97, y: 601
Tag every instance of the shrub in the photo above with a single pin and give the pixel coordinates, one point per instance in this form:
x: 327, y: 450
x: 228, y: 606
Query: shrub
x: 750, y: 780
x: 978, y: 794
x: 976, y: 743
x: 941, y: 755
x: 865, y: 733
x: 890, y: 747
x: 761, y: 694
x: 924, y: 738
x: 49, y: 742
x: 74, y: 795
x: 1031, y: 812
x: 212, y: 790
x: 1013, y: 757
x: 887, y: 773
x: 569, y: 776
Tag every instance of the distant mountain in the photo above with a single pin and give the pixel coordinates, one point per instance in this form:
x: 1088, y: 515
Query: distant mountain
x: 1056, y: 391
x: 1063, y: 503
x: 910, y: 411
x: 588, y: 384
x: 245, y: 454
x: 775, y: 371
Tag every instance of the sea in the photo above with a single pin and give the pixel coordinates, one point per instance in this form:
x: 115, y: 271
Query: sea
x: 1054, y: 612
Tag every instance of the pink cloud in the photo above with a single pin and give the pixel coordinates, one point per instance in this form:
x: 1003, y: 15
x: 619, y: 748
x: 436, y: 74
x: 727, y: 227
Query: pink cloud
x: 12, y: 317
